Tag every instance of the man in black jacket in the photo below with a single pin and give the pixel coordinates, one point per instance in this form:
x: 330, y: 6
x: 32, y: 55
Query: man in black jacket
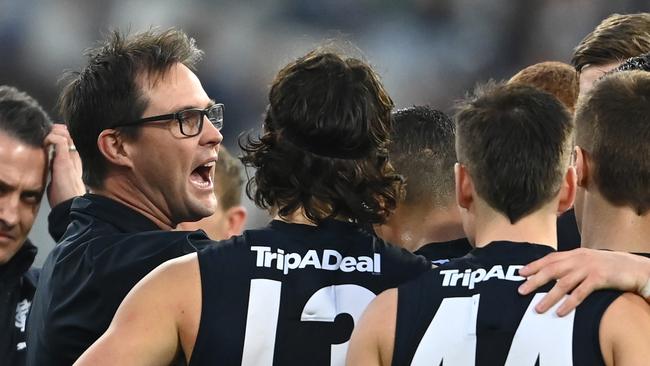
x: 24, y: 130
x: 148, y: 135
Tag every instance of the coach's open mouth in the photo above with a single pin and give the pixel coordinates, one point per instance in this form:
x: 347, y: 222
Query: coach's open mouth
x: 202, y: 175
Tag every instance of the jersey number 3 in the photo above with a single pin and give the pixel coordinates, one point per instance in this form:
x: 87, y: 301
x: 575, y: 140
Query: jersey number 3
x: 452, y: 332
x: 324, y: 305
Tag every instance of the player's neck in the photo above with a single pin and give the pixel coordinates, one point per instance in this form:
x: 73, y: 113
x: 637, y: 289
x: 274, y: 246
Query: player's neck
x: 296, y: 217
x: 540, y: 227
x: 605, y: 226
x: 413, y: 227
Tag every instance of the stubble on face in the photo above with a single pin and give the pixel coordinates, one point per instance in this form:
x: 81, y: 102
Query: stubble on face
x: 164, y: 159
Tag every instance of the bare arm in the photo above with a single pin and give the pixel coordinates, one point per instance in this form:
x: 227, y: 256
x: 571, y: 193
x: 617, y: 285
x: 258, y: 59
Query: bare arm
x: 625, y: 332
x: 583, y: 271
x: 146, y: 327
x: 373, y: 337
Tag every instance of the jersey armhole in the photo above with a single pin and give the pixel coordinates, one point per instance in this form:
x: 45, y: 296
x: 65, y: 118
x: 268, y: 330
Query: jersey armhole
x: 206, y: 270
x: 587, y: 321
x: 406, y: 326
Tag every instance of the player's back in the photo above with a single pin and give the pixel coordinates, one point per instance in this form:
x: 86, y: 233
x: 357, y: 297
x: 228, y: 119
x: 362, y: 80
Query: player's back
x: 289, y: 294
x: 469, y: 312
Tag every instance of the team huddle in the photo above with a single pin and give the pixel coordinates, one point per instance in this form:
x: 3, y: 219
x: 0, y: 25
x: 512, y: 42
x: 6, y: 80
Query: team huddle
x: 399, y: 237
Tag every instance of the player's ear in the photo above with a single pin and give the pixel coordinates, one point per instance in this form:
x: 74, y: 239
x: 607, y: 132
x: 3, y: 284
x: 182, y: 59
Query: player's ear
x: 111, y: 144
x: 567, y: 190
x: 464, y: 186
x: 235, y: 219
x: 582, y: 166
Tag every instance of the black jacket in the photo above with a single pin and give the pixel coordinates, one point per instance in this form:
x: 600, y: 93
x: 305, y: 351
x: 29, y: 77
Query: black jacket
x: 105, y: 251
x: 17, y: 286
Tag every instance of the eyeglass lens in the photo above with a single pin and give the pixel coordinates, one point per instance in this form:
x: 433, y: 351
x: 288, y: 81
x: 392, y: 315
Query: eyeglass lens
x: 191, y: 120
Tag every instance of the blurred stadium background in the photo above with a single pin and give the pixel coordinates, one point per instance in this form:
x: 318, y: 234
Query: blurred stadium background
x: 427, y: 51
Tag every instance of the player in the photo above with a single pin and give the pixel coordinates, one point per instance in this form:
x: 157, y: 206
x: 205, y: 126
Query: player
x: 427, y: 220
x: 513, y: 176
x: 612, y: 202
x: 616, y: 38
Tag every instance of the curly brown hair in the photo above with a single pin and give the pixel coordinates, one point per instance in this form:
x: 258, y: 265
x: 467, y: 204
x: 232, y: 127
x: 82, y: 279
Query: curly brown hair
x: 324, y: 146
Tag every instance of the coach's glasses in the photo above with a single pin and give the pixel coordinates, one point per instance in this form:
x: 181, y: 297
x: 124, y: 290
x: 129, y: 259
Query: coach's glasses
x: 190, y: 121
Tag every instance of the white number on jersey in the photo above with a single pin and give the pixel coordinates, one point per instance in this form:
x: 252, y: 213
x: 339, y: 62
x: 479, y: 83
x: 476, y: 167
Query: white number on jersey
x: 261, y: 322
x: 328, y: 302
x: 451, y: 336
x: 324, y: 305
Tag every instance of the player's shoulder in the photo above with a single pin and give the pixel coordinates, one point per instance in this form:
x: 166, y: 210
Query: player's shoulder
x: 382, y: 307
x: 423, y: 283
x: 601, y: 300
x: 249, y: 237
x: 176, y: 271
x: 397, y: 254
x: 621, y: 305
x: 623, y: 330
x: 398, y: 263
x: 237, y: 247
x: 449, y: 279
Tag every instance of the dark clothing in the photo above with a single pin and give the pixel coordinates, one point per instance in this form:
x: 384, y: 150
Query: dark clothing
x: 568, y: 236
x: 442, y: 252
x: 58, y: 219
x: 105, y: 251
x: 17, y: 286
x: 289, y: 294
x: 469, y: 309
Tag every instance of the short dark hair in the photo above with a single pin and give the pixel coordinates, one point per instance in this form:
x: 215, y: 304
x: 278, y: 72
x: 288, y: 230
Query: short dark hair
x: 641, y: 63
x: 422, y: 151
x: 324, y: 144
x: 612, y: 126
x: 515, y: 141
x: 557, y: 78
x: 616, y: 38
x: 21, y: 117
x: 108, y: 90
x: 228, y: 180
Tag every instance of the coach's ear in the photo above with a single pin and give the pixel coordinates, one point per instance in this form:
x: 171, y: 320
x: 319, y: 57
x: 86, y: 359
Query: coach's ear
x: 111, y: 144
x: 464, y: 186
x: 582, y: 166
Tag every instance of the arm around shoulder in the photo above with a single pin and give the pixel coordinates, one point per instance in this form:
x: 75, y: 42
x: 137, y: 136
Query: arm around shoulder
x: 147, y: 325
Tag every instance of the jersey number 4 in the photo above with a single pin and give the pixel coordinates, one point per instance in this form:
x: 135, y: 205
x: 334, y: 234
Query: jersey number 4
x: 324, y: 305
x: 451, y: 336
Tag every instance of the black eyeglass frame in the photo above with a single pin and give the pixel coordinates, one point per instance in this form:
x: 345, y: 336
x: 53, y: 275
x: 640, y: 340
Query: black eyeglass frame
x: 177, y: 117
